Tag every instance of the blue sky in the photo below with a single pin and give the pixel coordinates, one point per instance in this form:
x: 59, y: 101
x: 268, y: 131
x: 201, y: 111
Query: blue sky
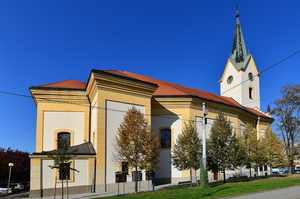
x: 184, y: 42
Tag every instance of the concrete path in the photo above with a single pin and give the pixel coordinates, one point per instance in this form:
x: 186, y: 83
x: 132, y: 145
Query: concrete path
x: 106, y: 194
x: 282, y: 193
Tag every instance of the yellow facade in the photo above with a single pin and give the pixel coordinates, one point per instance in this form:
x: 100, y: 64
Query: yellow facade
x: 89, y: 108
x: 91, y: 112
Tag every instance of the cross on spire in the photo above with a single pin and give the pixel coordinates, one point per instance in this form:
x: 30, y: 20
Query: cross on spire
x: 237, y: 10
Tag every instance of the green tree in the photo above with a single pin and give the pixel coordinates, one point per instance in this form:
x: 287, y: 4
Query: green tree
x: 62, y: 157
x: 287, y: 112
x: 259, y: 154
x: 273, y: 149
x: 187, y: 151
x: 249, y: 142
x: 236, y: 153
x: 221, y: 146
x: 136, y: 143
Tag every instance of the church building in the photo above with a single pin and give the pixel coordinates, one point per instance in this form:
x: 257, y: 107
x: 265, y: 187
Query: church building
x: 88, y: 114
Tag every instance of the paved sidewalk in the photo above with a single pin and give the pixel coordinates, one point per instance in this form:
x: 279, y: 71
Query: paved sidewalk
x: 106, y: 194
x: 282, y: 193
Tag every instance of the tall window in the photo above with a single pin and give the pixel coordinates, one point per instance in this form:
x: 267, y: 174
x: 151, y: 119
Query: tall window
x: 250, y: 92
x: 63, y: 139
x: 64, y: 173
x: 165, y: 138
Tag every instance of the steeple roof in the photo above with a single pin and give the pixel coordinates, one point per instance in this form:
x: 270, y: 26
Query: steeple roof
x: 239, y: 55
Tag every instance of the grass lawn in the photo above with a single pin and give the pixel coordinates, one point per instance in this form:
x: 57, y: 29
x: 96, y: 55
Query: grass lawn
x: 219, y: 190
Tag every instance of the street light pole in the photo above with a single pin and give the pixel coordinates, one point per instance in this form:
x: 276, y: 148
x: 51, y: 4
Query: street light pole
x: 10, y: 166
x: 203, y: 171
x: 205, y: 112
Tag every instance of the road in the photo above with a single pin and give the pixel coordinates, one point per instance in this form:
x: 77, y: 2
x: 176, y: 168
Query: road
x: 23, y: 194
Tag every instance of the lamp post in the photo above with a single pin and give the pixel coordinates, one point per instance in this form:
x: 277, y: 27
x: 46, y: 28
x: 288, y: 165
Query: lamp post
x: 205, y: 112
x: 203, y: 172
x: 10, y: 166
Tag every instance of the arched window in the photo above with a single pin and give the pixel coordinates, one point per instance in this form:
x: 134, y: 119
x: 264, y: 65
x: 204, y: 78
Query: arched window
x: 165, y: 138
x: 63, y: 139
x: 64, y: 173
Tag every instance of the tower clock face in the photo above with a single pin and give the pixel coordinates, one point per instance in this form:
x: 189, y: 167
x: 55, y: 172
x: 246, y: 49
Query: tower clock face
x: 250, y: 76
x: 229, y: 79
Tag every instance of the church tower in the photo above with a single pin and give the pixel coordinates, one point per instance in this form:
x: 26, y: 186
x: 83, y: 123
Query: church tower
x: 240, y: 79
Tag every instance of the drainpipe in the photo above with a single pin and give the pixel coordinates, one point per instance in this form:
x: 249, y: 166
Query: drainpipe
x: 257, y: 125
x: 95, y: 164
x: 90, y: 116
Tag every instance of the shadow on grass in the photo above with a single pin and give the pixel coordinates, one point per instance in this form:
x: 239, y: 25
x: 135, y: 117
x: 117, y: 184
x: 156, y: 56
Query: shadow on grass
x: 216, y: 191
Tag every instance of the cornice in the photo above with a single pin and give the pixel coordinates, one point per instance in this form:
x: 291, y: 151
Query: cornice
x: 197, y: 102
x: 117, y: 83
x: 121, y: 77
x: 58, y: 95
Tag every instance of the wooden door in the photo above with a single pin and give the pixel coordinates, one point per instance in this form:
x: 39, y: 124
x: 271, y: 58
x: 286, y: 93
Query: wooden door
x: 216, y: 176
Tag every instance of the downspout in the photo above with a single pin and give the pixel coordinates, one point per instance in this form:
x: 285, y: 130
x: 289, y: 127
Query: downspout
x: 95, y: 164
x: 257, y: 125
x: 90, y: 116
x: 41, y: 178
x: 95, y: 159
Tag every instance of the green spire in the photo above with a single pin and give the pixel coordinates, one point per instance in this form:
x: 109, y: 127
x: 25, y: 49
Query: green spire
x: 239, y: 55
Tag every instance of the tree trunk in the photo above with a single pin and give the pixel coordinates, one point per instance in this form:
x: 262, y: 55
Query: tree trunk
x: 55, y: 187
x: 224, y: 178
x: 67, y: 186
x: 196, y: 177
x: 62, y: 188
x: 136, y: 180
x: 191, y: 183
x: 250, y: 171
x: 291, y: 168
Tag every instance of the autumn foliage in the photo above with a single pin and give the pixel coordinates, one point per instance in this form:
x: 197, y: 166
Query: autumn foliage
x: 136, y: 143
x: 287, y: 112
x: 20, y: 170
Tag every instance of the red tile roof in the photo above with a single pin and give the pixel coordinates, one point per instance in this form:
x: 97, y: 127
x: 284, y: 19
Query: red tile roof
x: 169, y: 89
x: 164, y: 89
x: 70, y: 83
x: 256, y: 112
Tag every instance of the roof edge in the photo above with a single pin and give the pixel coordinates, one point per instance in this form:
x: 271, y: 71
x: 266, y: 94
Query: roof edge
x: 56, y: 88
x: 44, y: 153
x: 197, y: 97
x: 122, y: 77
